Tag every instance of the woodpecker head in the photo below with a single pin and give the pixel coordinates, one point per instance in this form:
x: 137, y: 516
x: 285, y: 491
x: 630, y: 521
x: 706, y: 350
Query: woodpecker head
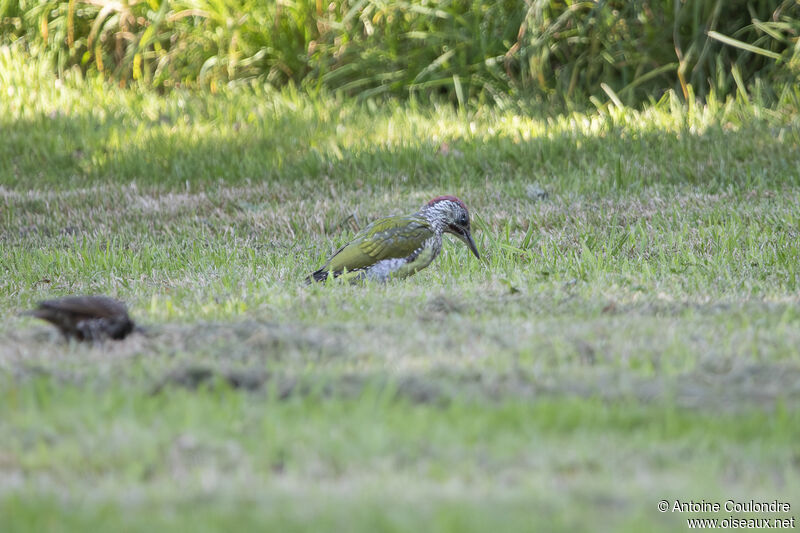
x: 451, y: 216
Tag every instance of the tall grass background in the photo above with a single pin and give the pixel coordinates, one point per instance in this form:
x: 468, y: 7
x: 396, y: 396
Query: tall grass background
x: 551, y: 51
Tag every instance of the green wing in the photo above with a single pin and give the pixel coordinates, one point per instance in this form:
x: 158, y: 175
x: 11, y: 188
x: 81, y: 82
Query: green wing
x: 387, y: 238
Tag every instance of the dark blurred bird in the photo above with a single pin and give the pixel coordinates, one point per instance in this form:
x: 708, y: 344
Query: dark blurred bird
x: 86, y: 318
x: 399, y: 246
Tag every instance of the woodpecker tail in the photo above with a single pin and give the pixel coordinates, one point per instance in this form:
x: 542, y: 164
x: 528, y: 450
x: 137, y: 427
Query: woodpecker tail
x: 319, y: 275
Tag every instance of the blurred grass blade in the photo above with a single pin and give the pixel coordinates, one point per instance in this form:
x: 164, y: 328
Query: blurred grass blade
x: 743, y: 46
x: 459, y: 91
x: 612, y: 95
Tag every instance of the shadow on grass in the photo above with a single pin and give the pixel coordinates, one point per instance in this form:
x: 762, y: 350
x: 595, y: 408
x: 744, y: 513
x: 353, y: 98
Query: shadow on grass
x: 304, y: 152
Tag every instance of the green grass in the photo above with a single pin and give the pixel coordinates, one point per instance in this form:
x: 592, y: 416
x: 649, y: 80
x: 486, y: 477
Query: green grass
x: 553, y: 52
x: 633, y: 336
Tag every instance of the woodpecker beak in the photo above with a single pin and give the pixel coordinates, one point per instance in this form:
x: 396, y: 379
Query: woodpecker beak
x: 464, y: 235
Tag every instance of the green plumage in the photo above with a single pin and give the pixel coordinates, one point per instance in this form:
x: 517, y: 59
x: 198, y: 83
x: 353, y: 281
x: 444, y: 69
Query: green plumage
x: 398, y: 246
x: 387, y: 238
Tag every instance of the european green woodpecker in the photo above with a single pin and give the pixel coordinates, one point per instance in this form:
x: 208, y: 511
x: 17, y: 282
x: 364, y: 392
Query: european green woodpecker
x: 396, y: 247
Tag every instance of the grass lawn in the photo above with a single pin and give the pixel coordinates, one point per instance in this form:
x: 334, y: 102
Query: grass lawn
x: 632, y: 334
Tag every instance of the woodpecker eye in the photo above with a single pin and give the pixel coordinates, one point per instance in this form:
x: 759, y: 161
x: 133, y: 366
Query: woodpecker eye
x: 463, y: 220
